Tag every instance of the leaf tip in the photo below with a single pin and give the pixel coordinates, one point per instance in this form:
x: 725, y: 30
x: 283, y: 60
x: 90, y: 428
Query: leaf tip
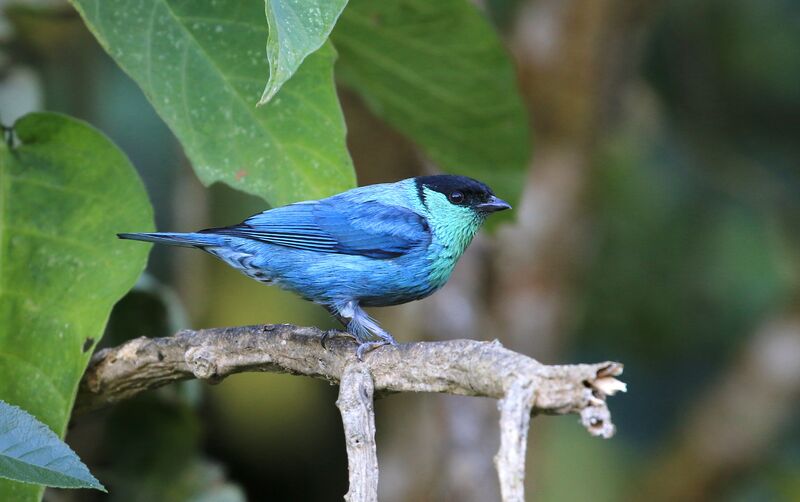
x: 269, y: 92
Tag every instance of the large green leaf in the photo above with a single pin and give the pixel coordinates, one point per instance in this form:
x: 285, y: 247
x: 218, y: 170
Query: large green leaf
x: 32, y: 453
x: 65, y: 190
x: 296, y: 29
x: 436, y: 71
x: 202, y: 64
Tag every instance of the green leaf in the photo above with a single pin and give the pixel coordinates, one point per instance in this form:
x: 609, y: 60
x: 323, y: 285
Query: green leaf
x: 65, y: 190
x: 296, y: 29
x: 202, y: 65
x: 32, y: 453
x: 437, y: 72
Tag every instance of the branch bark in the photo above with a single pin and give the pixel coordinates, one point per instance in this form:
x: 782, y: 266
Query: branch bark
x: 515, y: 418
x: 358, y: 416
x: 462, y: 367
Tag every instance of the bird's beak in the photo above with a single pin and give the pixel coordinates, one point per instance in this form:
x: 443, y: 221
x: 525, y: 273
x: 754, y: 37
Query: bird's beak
x: 493, y: 205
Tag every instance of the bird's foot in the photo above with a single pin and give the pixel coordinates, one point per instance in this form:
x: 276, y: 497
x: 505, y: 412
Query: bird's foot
x: 387, y: 339
x: 365, y: 347
x: 326, y: 335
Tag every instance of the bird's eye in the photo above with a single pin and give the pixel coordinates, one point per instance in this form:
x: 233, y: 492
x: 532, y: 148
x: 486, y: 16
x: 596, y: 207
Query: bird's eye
x: 456, y: 197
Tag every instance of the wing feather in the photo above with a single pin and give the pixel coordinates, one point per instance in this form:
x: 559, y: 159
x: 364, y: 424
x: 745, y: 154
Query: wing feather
x: 369, y: 229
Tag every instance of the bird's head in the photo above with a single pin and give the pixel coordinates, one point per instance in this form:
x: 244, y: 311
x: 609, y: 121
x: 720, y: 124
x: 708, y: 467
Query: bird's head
x: 455, y: 207
x: 457, y: 197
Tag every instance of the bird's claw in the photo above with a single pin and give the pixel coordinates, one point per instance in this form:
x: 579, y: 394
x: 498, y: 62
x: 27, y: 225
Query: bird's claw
x: 328, y: 334
x: 324, y: 338
x: 363, y: 347
x: 368, y: 346
x: 388, y: 340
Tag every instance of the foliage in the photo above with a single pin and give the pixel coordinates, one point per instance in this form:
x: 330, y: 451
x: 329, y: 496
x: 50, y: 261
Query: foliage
x: 202, y: 64
x: 65, y: 190
x: 437, y: 72
x: 32, y: 453
x: 296, y: 29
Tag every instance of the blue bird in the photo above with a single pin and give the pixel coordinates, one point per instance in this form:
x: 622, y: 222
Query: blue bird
x: 371, y: 246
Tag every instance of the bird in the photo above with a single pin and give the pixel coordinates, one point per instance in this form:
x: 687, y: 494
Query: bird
x: 372, y: 246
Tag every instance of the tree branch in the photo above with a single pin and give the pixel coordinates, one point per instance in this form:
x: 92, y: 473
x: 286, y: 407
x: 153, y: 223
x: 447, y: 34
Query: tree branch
x: 463, y: 367
x: 515, y: 418
x: 358, y: 416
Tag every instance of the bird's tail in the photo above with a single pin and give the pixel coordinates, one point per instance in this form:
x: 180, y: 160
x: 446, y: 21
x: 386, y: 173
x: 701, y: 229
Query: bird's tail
x: 176, y: 239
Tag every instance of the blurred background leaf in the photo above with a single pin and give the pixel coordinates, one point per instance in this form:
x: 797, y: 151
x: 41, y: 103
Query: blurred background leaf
x: 156, y: 455
x: 296, y: 29
x: 62, y: 266
x: 438, y: 72
x: 202, y: 65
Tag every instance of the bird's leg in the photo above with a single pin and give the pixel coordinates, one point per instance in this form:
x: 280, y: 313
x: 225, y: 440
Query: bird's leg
x: 364, y: 327
x: 361, y: 326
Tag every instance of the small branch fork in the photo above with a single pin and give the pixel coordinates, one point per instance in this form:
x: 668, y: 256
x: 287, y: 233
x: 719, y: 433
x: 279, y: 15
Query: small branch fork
x: 464, y: 367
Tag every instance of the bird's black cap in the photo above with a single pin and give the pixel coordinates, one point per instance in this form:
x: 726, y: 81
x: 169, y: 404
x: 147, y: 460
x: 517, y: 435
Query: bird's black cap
x: 446, y: 183
x: 475, y: 194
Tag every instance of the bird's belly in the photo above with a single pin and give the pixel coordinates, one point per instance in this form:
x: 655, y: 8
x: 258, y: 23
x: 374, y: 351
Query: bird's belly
x: 388, y: 283
x: 396, y: 295
x: 402, y: 283
x: 329, y: 278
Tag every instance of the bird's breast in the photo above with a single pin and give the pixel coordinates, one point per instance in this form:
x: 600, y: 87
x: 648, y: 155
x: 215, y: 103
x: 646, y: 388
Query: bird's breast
x: 442, y: 260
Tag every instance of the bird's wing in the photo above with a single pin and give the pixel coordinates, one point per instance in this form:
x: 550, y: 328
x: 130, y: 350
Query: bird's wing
x: 368, y: 228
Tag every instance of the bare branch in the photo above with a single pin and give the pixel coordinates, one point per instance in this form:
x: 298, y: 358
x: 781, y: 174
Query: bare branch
x: 358, y: 416
x: 515, y: 417
x: 464, y: 367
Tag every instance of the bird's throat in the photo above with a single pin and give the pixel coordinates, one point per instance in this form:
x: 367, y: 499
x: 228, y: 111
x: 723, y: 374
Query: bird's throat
x: 450, y: 242
x: 452, y: 227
